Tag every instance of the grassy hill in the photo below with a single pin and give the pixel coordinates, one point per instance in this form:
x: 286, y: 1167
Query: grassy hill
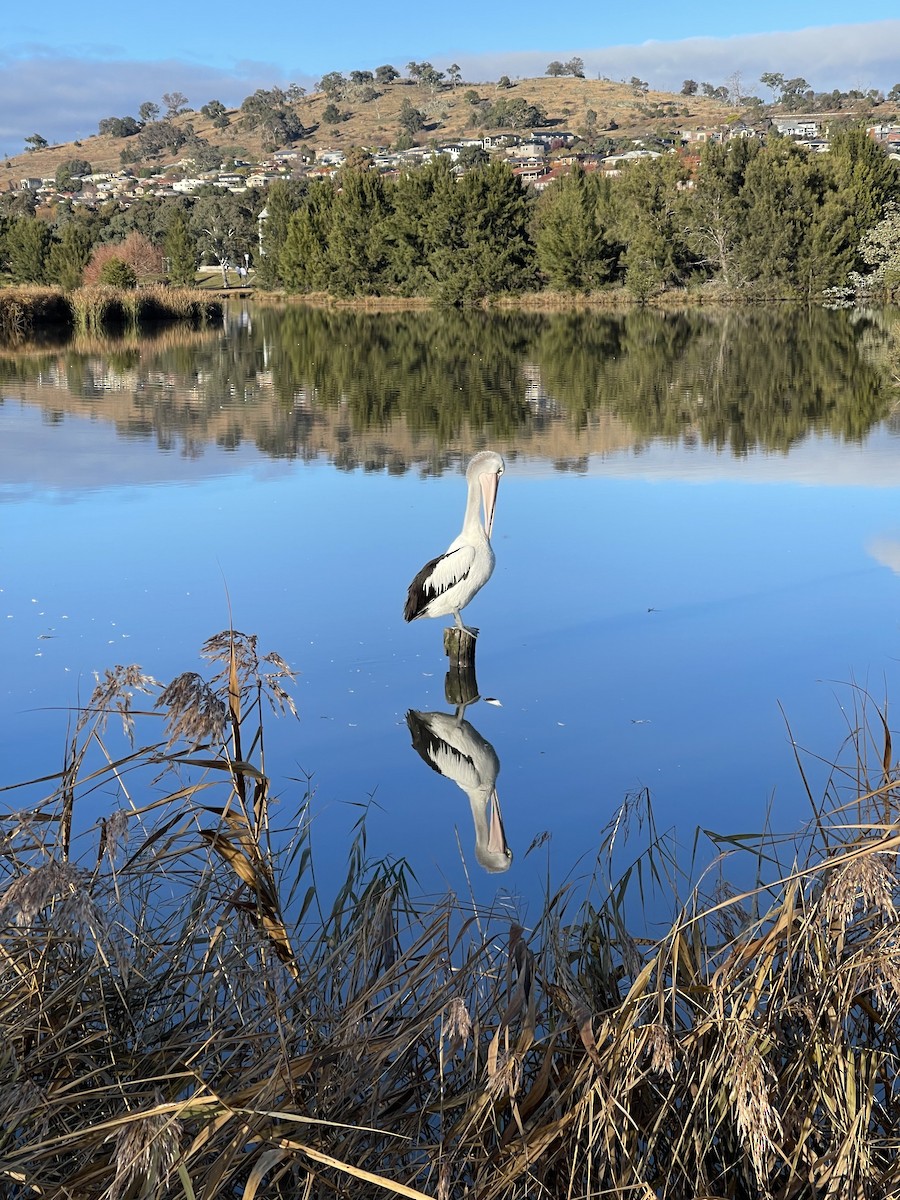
x: 566, y: 100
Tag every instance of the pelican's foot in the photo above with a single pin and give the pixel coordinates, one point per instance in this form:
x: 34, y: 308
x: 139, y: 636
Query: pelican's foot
x: 470, y: 630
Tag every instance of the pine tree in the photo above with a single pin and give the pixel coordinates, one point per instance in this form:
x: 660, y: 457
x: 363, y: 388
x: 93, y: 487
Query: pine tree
x: 303, y: 263
x: 69, y: 255
x: 574, y: 247
x: 483, y: 244
x: 357, y: 245
x: 181, y: 252
x: 27, y: 247
x: 283, y: 198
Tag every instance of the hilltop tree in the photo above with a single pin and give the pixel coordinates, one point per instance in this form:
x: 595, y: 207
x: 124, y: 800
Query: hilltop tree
x: 119, y: 127
x: 176, y: 103
x: 517, y: 113
x: 332, y: 84
x: 774, y: 81
x: 555, y: 69
x: 689, y: 87
x: 454, y: 74
x: 216, y: 112
x: 575, y: 66
x: 148, y: 111
x: 36, y: 142
x: 159, y: 136
x: 270, y: 111
x: 430, y: 76
x: 386, y: 74
x: 410, y: 119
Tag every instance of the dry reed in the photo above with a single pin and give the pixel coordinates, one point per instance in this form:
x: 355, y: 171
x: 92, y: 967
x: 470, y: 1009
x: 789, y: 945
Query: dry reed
x: 184, y: 1016
x: 25, y: 311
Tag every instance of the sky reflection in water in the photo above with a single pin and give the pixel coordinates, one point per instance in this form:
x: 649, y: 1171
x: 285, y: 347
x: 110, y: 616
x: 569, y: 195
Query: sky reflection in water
x: 653, y: 621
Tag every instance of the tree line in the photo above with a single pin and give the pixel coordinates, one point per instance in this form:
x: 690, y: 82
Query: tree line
x: 759, y: 219
x: 771, y: 219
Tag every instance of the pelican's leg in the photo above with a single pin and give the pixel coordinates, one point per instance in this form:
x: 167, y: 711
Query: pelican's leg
x: 472, y: 632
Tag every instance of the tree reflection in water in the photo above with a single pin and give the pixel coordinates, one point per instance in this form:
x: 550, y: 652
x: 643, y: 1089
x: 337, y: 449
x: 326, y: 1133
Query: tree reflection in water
x: 394, y: 390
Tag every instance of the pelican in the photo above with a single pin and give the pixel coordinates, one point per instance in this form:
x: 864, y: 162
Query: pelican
x: 453, y: 748
x: 448, y: 583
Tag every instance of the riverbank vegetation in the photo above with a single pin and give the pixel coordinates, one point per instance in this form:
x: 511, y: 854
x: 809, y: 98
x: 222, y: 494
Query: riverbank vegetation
x: 746, y: 219
x: 186, y: 1014
x: 99, y: 309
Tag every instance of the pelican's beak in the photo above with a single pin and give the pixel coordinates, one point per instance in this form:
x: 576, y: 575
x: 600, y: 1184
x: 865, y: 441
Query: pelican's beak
x: 489, y: 496
x: 496, y: 833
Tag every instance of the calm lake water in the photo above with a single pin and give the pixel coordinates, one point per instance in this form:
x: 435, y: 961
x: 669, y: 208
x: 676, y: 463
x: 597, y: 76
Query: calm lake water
x: 697, y: 538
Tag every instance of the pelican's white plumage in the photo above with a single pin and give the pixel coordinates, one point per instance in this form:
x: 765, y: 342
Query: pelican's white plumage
x: 456, y: 750
x: 447, y: 583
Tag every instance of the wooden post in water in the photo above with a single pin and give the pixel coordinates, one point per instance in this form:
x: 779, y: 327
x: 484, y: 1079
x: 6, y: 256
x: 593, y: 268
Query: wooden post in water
x: 460, y: 686
x: 459, y: 646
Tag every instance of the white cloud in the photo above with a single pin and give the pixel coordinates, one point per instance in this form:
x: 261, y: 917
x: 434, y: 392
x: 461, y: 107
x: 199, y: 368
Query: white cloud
x: 838, y: 56
x: 64, y: 98
x: 885, y: 551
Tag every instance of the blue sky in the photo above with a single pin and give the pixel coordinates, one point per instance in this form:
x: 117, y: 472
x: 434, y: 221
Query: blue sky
x: 63, y: 67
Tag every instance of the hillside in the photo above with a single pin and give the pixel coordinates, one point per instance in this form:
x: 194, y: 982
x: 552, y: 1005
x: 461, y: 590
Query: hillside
x: 375, y: 122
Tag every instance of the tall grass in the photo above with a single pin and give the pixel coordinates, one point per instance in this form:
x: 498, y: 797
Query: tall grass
x: 23, y: 309
x: 96, y: 310
x: 184, y: 1015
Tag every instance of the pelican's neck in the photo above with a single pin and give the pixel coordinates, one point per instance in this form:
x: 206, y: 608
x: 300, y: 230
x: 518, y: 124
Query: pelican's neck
x: 480, y: 803
x: 472, y: 520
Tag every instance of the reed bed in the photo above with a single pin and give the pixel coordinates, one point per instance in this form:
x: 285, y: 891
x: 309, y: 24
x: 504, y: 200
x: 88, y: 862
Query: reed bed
x: 25, y: 311
x: 96, y: 309
x: 184, y: 1015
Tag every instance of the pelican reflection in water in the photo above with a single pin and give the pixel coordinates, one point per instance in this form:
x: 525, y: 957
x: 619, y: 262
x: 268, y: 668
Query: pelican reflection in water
x: 448, y: 582
x: 453, y: 748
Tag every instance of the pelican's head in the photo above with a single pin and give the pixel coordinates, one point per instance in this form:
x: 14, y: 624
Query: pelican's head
x: 487, y: 467
x: 491, y: 849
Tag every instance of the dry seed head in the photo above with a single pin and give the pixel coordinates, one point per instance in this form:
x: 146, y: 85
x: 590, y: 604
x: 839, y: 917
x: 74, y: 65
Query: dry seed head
x: 757, y: 1120
x: 195, y: 711
x: 459, y: 1023
x: 879, y: 973
x: 33, y: 891
x: 661, y: 1050
x: 114, y: 693
x: 146, y: 1150
x: 115, y: 831
x: 865, y: 881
